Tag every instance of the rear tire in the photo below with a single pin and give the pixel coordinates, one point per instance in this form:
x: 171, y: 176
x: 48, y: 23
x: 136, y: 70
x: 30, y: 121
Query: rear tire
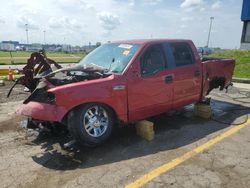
x: 91, y: 124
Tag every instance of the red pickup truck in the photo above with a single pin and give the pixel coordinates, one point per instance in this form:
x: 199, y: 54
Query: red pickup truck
x: 122, y: 82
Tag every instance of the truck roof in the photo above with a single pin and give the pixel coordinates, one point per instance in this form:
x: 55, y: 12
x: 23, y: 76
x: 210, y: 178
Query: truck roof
x: 148, y: 41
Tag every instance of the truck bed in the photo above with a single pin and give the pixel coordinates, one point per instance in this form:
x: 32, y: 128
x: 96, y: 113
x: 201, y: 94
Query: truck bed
x: 216, y: 73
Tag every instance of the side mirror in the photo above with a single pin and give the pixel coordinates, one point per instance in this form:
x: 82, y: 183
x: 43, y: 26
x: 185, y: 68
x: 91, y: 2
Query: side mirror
x: 134, y: 70
x: 135, y: 73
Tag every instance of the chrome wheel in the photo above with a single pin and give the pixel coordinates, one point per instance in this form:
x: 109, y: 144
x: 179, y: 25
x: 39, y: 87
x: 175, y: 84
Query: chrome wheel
x: 96, y: 121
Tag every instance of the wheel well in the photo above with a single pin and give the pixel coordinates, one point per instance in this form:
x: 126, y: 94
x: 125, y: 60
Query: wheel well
x: 217, y: 82
x: 65, y: 118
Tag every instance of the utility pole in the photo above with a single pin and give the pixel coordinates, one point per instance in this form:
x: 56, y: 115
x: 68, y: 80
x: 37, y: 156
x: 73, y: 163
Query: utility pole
x: 44, y: 38
x: 209, y: 32
x: 27, y: 34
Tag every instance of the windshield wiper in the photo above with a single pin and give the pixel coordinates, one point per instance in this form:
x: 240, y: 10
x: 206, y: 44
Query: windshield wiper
x: 112, y: 62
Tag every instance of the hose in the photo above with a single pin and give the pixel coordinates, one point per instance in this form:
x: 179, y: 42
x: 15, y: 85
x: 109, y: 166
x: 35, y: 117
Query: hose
x: 16, y: 82
x: 237, y: 99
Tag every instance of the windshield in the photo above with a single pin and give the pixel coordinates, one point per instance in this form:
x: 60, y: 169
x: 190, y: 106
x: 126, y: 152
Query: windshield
x: 113, y: 57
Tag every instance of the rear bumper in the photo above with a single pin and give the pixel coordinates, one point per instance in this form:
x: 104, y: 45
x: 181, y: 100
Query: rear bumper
x: 42, y: 111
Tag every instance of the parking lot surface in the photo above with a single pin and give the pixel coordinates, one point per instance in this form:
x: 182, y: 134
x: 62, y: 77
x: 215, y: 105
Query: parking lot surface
x: 30, y: 159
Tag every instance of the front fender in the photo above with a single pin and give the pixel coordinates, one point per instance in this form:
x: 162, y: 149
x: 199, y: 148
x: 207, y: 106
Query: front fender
x: 95, y: 91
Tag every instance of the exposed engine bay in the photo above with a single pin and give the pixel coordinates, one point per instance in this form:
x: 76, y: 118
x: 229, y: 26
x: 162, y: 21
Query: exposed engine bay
x: 75, y: 74
x: 39, y: 68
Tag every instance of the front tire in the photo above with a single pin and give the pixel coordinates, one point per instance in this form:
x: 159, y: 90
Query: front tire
x: 91, y: 124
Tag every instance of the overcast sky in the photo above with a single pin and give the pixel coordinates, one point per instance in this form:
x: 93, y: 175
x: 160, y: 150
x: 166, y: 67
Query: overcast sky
x: 77, y: 22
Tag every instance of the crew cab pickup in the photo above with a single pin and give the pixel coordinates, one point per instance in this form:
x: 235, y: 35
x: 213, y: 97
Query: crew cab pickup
x: 123, y: 82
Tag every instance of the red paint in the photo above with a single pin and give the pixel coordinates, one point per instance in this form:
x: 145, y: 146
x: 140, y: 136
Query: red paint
x: 143, y: 96
x: 41, y: 111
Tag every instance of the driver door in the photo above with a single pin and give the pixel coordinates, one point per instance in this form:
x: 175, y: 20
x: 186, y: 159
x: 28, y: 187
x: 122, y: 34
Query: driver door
x: 150, y: 92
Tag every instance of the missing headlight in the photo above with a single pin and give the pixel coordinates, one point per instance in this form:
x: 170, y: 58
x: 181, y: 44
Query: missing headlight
x: 41, y: 95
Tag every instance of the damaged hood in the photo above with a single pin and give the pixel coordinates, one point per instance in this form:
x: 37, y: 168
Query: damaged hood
x: 76, y: 73
x: 89, y: 68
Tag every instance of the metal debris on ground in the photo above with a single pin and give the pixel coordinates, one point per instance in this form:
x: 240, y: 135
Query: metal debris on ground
x: 69, y: 144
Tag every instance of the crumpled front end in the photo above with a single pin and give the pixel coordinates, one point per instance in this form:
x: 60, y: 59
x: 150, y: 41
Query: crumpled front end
x: 47, y: 101
x: 41, y: 105
x: 42, y: 111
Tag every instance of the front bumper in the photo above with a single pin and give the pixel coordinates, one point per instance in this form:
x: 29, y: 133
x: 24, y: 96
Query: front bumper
x: 42, y: 111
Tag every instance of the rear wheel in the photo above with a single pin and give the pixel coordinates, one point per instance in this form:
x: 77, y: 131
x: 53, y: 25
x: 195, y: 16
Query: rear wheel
x: 91, y: 124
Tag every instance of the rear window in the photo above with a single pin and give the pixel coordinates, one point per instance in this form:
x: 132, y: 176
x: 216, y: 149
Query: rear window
x: 182, y: 54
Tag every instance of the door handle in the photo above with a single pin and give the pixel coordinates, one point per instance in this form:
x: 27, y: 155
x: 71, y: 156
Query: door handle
x: 197, y: 73
x: 168, y: 79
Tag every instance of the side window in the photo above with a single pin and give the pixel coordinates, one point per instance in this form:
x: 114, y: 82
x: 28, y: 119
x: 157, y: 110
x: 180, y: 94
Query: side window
x: 153, y: 60
x: 182, y: 54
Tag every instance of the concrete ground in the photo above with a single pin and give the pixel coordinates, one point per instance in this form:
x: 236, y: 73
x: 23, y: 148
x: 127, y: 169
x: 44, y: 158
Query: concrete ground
x: 29, y: 159
x: 242, y: 85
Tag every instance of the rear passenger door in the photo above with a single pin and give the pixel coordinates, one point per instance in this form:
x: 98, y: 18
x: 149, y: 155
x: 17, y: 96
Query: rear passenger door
x: 187, y: 73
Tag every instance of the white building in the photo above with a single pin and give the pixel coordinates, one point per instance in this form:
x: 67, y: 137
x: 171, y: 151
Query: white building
x: 7, y: 46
